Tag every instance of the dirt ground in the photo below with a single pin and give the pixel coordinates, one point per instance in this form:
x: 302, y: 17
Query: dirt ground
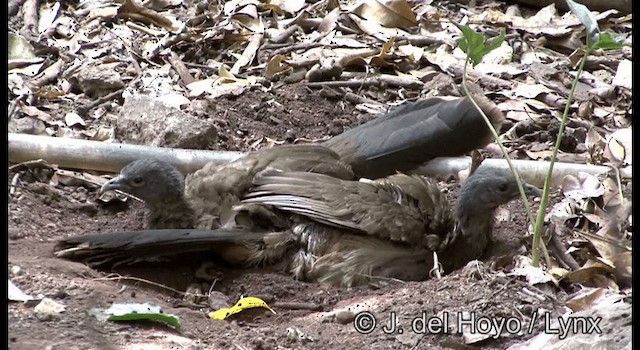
x: 40, y: 213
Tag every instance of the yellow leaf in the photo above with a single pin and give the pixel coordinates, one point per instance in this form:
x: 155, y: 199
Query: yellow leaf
x: 225, y: 74
x: 242, y: 304
x: 220, y: 314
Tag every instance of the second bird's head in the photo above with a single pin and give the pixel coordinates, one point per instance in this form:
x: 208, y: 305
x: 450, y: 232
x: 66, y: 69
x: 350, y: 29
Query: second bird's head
x: 487, y: 188
x: 151, y: 180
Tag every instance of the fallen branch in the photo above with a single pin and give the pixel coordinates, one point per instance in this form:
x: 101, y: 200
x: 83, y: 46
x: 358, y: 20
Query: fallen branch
x: 111, y: 157
x: 381, y: 80
x: 84, y: 109
x: 103, y: 156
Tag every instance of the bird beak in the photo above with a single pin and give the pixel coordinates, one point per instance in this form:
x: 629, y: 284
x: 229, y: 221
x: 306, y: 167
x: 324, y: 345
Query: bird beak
x: 531, y: 190
x: 113, y: 184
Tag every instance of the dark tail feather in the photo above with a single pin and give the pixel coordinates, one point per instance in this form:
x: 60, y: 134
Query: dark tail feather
x: 124, y: 248
x: 416, y: 132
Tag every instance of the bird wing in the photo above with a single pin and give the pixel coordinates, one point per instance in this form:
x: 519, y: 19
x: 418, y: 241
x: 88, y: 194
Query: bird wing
x: 380, y: 209
x: 214, y: 189
x: 416, y: 132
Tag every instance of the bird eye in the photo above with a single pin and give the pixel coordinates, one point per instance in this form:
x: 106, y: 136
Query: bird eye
x: 138, y: 181
x: 503, y: 187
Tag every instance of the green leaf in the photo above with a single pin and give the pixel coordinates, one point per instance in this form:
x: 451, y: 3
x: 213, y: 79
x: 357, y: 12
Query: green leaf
x: 165, y: 318
x: 473, y: 43
x: 496, y: 42
x: 135, y: 312
x: 606, y: 41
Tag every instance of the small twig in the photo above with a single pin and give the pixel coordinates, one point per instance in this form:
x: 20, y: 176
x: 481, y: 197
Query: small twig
x: 476, y: 160
x: 135, y: 64
x: 196, y: 20
x: 14, y: 183
x: 297, y: 305
x: 143, y: 29
x: 181, y: 69
x: 285, y: 34
x: 482, y: 78
x: 381, y: 80
x: 528, y: 288
x: 13, y: 106
x: 420, y: 40
x: 30, y: 16
x: 503, y: 287
x: 391, y: 279
x: 240, y: 347
x: 533, y: 294
x: 97, y: 102
x: 128, y: 195
x: 31, y: 164
x: 437, y: 268
x: 50, y: 74
x: 313, y: 23
x: 357, y: 99
x: 116, y: 277
x: 13, y: 6
x: 560, y: 251
x: 304, y: 63
x: 169, y: 41
x: 303, y: 46
x: 418, y: 342
x: 522, y: 318
x: 214, y: 66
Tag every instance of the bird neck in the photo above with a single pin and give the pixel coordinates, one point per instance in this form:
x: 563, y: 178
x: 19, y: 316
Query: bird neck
x: 472, y: 233
x: 173, y: 213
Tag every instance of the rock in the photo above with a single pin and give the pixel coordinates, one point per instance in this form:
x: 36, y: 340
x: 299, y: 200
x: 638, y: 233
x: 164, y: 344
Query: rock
x: 218, y: 300
x: 27, y: 125
x: 613, y: 332
x: 146, y: 121
x: 345, y: 316
x: 15, y: 234
x: 96, y: 80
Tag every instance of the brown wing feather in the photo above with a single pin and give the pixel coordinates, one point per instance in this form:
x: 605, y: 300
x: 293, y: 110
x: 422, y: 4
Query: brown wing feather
x: 382, y: 209
x: 214, y: 189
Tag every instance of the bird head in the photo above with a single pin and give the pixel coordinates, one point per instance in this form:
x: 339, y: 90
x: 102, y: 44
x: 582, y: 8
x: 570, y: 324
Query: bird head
x: 151, y: 180
x: 487, y: 188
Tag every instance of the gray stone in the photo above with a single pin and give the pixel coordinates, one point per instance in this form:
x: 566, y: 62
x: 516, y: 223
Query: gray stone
x: 613, y: 320
x: 96, y: 81
x: 147, y: 121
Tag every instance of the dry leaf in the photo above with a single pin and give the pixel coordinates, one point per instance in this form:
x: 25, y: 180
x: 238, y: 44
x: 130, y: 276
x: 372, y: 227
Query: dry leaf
x: 133, y: 10
x: 276, y: 65
x: 291, y: 6
x: 582, y: 187
x: 248, y: 54
x: 586, y: 298
x: 72, y: 119
x: 388, y: 13
x: 618, y: 147
x: 624, y: 75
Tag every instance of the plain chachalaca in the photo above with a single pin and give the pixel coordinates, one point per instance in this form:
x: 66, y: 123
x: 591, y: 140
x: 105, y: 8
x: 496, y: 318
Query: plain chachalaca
x: 404, y: 138
x: 211, y: 197
x: 324, y: 229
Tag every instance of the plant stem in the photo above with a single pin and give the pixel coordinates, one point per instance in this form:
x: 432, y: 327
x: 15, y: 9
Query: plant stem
x: 544, y: 202
x: 527, y: 206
